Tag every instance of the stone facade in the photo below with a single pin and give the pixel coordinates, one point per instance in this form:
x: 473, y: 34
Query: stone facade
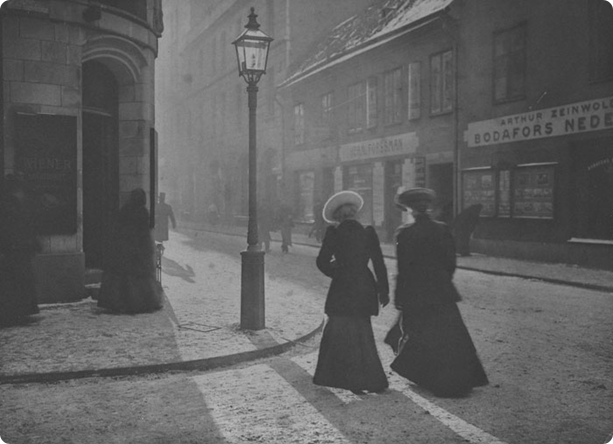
x: 45, y: 46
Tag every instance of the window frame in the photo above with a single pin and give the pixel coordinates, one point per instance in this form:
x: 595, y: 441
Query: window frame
x: 356, y: 107
x: 601, y: 38
x: 372, y: 102
x: 414, y: 90
x: 442, y: 84
x: 299, y: 124
x: 393, y: 97
x: 520, y: 59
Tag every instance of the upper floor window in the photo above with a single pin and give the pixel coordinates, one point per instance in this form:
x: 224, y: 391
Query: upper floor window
x: 414, y: 97
x: 510, y: 64
x: 299, y: 124
x: 135, y: 7
x: 372, y: 112
x: 441, y: 86
x: 356, y: 102
x: 601, y: 41
x: 326, y: 110
x: 392, y: 96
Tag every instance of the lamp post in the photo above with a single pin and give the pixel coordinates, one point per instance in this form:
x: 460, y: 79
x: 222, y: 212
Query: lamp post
x: 252, y: 56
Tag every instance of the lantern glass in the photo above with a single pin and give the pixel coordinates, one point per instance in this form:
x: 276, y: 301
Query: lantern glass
x: 252, y: 51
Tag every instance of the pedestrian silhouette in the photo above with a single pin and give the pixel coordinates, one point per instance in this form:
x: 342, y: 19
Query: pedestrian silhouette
x: 463, y: 227
x: 435, y: 350
x: 348, y: 357
x: 18, y: 246
x: 128, y: 280
x: 163, y: 215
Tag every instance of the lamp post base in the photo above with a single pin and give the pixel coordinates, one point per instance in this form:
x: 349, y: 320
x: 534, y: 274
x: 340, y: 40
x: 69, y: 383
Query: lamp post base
x: 252, y: 290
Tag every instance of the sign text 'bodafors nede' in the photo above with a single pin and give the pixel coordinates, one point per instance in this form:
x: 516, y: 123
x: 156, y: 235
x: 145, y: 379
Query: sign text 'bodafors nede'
x: 591, y: 115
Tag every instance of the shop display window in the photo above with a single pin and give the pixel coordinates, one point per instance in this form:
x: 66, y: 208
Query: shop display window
x: 533, y: 189
x: 525, y: 191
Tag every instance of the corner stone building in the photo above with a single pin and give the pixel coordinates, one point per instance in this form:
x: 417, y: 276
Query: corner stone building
x: 77, y: 122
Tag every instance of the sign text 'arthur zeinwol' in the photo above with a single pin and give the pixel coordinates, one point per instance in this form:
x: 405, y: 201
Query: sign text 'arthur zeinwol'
x: 592, y: 115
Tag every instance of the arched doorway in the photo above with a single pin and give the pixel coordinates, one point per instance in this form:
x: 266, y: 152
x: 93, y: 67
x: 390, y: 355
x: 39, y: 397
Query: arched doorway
x: 100, y: 159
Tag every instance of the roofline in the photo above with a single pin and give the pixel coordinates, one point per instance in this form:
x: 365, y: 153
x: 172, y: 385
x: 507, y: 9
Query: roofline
x: 366, y: 46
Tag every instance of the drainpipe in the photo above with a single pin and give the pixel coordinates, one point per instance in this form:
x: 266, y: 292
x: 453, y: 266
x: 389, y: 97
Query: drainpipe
x: 1, y: 100
x: 450, y: 28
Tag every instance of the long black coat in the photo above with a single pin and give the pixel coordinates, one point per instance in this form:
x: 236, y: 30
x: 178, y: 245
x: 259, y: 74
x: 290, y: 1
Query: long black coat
x: 425, y: 251
x: 344, y: 256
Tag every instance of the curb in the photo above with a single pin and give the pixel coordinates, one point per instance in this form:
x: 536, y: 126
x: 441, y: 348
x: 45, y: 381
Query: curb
x: 587, y: 286
x: 182, y: 366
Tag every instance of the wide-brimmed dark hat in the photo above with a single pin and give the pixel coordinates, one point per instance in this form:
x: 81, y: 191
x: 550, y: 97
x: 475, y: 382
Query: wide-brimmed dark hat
x: 339, y: 199
x: 412, y: 195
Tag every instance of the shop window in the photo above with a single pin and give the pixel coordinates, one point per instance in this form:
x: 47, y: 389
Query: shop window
x: 392, y: 97
x: 441, y: 78
x: 479, y: 187
x: 372, y: 115
x: 356, y: 103
x: 510, y: 64
x: 299, y: 124
x: 414, y: 98
x: 504, y: 193
x: 601, y: 40
x: 306, y: 187
x: 525, y: 191
x: 359, y: 178
x: 533, y: 191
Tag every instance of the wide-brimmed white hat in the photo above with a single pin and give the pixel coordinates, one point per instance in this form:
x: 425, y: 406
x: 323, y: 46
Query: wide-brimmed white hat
x: 339, y: 199
x: 412, y: 195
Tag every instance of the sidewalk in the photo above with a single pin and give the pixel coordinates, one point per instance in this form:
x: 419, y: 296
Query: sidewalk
x: 600, y: 280
x: 198, y: 329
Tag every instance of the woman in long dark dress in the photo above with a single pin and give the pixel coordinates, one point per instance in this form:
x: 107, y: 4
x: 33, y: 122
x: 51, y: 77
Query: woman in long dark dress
x: 348, y: 357
x: 128, y: 280
x: 18, y: 246
x: 438, y: 352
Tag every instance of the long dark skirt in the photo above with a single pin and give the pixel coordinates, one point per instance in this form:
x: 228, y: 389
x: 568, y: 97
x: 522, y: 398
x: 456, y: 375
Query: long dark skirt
x: 348, y: 357
x: 439, y: 354
x: 130, y: 294
x: 18, y: 298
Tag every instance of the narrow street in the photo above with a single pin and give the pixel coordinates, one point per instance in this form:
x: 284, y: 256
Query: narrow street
x: 547, y: 349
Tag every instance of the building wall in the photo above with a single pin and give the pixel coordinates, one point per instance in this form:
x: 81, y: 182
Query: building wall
x: 44, y: 46
x: 209, y: 138
x: 428, y: 141
x: 557, y: 73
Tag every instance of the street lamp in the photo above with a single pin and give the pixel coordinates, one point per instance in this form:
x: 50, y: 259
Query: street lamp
x: 252, y: 55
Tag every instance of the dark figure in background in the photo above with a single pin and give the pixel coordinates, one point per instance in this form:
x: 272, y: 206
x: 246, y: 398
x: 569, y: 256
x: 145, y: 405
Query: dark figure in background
x: 128, y: 280
x: 163, y: 213
x: 437, y: 352
x: 265, y: 225
x: 463, y: 227
x: 286, y: 223
x: 213, y: 214
x: 445, y: 214
x: 319, y: 224
x: 348, y: 357
x: 18, y: 246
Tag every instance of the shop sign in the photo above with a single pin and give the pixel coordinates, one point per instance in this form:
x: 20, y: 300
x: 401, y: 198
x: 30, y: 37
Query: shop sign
x: 580, y: 117
x: 404, y: 144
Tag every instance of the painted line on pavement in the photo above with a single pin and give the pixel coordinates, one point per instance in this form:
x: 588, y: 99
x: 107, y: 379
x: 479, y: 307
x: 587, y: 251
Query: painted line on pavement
x: 469, y: 432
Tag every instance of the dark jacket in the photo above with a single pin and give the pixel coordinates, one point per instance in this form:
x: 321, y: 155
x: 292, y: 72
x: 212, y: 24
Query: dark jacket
x: 426, y: 256
x: 344, y: 256
x: 133, y: 250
